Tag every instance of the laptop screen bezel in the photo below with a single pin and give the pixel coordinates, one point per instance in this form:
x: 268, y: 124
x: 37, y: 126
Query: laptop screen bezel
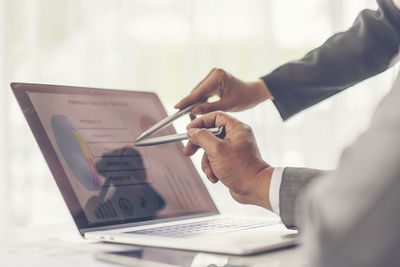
x: 21, y: 92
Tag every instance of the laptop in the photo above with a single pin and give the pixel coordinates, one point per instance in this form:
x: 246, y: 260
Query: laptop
x: 116, y: 192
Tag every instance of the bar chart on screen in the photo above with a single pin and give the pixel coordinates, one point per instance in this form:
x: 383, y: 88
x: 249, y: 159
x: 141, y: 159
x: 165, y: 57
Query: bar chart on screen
x: 105, y: 210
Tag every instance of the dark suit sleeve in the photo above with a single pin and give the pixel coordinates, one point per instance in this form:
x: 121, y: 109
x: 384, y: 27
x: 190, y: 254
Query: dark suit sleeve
x: 345, y: 59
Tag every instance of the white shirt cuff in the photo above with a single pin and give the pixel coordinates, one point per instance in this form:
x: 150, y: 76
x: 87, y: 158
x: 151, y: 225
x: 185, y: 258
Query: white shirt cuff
x: 274, y: 188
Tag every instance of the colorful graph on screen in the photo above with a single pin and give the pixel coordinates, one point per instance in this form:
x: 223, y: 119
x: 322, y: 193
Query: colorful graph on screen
x: 75, y: 152
x: 89, y: 158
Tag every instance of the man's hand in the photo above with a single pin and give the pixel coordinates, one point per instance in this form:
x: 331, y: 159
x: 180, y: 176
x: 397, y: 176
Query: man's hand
x: 235, y: 95
x: 234, y: 160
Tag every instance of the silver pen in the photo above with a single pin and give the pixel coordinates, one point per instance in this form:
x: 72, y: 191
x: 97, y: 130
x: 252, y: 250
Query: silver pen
x: 219, y: 132
x: 167, y: 121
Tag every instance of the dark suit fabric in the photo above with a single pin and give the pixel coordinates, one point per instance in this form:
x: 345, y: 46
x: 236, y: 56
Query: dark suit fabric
x: 345, y: 59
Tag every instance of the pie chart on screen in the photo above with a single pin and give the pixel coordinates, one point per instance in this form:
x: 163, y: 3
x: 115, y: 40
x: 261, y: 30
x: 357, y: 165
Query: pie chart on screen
x: 75, y: 152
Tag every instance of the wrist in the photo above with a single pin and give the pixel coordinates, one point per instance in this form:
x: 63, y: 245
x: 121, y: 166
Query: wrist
x: 261, y: 188
x: 263, y: 90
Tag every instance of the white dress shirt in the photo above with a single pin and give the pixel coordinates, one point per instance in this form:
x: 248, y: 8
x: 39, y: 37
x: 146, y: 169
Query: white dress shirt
x: 274, y: 188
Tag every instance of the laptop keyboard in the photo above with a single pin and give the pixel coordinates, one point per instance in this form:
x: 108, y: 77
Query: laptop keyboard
x: 210, y: 227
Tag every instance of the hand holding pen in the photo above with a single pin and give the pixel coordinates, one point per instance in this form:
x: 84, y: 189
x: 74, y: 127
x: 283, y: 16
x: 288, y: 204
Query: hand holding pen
x: 141, y: 141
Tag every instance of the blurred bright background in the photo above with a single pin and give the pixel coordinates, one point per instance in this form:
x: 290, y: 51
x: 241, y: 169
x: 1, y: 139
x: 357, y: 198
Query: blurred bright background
x: 168, y: 46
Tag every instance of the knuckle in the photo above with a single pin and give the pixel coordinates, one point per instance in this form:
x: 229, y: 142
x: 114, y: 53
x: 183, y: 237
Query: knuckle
x: 202, y: 131
x: 219, y: 72
x: 247, y: 129
x: 220, y: 113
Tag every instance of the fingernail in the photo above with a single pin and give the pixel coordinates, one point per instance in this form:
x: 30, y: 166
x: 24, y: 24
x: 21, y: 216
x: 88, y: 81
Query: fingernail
x: 209, y: 175
x: 191, y: 132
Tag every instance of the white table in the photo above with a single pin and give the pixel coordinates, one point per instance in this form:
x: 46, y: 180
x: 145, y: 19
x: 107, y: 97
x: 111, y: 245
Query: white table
x: 61, y: 245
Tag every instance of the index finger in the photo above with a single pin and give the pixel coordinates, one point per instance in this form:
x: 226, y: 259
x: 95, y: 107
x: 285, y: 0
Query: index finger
x: 202, y: 90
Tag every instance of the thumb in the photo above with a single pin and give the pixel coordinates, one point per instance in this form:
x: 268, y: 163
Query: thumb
x: 203, y: 138
x: 204, y: 108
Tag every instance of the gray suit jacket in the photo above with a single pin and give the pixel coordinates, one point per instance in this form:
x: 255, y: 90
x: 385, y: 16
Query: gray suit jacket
x: 348, y: 217
x: 346, y: 58
x: 351, y: 217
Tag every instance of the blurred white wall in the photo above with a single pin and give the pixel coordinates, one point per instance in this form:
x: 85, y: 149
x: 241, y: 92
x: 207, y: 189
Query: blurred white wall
x: 167, y: 46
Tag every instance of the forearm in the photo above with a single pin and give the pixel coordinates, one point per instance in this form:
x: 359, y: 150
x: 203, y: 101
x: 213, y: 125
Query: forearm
x: 345, y: 59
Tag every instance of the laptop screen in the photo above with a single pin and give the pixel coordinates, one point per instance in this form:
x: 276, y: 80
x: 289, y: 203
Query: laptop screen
x: 86, y: 136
